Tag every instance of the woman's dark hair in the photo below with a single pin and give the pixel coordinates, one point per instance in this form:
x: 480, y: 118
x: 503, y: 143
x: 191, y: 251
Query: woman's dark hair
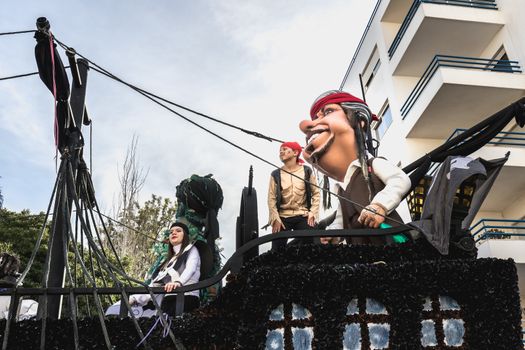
x: 183, y: 245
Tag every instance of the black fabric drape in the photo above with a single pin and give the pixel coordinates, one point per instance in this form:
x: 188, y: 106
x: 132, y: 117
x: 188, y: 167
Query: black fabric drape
x: 45, y: 70
x: 437, y: 216
x: 469, y: 141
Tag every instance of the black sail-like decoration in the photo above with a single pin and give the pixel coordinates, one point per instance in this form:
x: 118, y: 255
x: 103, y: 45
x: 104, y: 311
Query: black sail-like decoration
x: 469, y: 141
x: 45, y: 70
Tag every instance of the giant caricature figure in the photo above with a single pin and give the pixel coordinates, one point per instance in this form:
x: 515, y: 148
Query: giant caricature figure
x: 339, y: 145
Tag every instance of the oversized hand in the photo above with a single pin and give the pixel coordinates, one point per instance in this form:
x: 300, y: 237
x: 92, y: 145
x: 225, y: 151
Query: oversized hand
x: 369, y: 216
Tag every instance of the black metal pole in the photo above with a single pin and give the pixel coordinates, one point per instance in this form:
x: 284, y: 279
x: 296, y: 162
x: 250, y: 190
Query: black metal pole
x: 250, y: 180
x: 55, y: 260
x: 71, y: 151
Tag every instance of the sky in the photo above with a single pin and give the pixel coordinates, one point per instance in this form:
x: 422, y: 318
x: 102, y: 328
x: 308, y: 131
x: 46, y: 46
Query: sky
x: 256, y: 64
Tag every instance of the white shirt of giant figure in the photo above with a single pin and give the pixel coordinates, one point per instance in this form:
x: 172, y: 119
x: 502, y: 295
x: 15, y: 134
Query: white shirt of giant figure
x: 397, y: 183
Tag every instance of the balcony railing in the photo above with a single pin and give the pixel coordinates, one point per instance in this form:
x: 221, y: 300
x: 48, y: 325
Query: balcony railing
x: 486, y: 229
x: 485, y: 64
x: 482, y: 4
x: 504, y: 138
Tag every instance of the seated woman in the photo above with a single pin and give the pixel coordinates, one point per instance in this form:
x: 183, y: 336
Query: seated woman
x: 181, y: 267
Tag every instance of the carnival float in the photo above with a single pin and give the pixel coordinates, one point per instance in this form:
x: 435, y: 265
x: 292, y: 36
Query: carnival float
x: 430, y: 292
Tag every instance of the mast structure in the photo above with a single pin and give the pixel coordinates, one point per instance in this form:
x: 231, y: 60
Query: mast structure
x: 70, y: 114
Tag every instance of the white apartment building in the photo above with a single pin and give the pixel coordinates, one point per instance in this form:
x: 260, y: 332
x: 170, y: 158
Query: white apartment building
x: 430, y: 68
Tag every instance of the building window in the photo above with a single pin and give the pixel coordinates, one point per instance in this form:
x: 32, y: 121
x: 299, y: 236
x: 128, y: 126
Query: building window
x: 371, y: 68
x: 384, y: 122
x: 290, y: 326
x: 367, y: 325
x: 442, y: 325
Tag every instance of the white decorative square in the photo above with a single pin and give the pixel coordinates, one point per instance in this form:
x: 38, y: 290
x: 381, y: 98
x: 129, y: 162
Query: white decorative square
x: 302, y: 338
x: 299, y: 312
x: 277, y: 314
x: 454, y: 330
x: 352, y: 308
x: 275, y: 339
x: 379, y: 335
x: 428, y: 333
x: 352, y: 337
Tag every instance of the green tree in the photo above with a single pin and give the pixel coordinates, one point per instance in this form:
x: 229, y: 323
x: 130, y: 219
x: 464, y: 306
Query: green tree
x: 97, y: 270
x: 138, y: 225
x: 145, y: 224
x: 18, y: 235
x: 1, y: 197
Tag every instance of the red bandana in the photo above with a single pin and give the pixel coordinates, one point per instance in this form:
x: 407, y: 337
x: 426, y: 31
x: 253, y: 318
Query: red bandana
x: 336, y: 97
x: 296, y: 147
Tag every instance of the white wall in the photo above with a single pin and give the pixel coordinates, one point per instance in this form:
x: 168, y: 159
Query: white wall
x: 503, y: 249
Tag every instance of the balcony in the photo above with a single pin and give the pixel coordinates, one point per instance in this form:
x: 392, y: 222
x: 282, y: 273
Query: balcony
x: 456, y: 92
x: 500, y: 230
x: 504, y: 138
x: 460, y: 27
x: 503, y: 239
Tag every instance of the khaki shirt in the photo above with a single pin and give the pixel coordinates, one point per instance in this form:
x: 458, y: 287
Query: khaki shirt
x: 293, y: 201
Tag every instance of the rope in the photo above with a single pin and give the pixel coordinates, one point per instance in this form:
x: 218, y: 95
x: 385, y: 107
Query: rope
x: 24, y: 75
x: 93, y: 282
x: 154, y: 98
x: 126, y: 226
x: 98, y: 256
x: 40, y: 236
x: 253, y: 133
x: 18, y: 76
x: 105, y: 230
x: 72, y: 304
x: 165, y: 331
x: 110, y: 219
x: 245, y: 150
x: 18, y: 32
x: 108, y: 266
x: 144, y: 92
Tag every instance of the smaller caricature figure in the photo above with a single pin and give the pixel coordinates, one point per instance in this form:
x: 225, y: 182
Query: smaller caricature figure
x: 339, y: 145
x: 292, y: 201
